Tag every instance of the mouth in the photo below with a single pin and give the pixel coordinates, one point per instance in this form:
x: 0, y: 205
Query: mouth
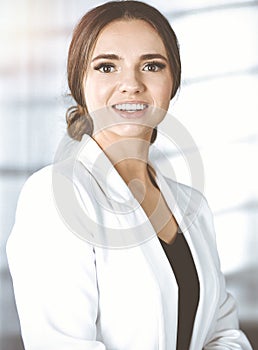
x: 130, y: 110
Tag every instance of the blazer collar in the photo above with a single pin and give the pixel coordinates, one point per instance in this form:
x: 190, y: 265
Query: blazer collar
x: 101, y: 168
x: 183, y: 203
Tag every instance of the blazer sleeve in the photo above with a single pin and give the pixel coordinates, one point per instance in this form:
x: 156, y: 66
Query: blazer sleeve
x: 224, y: 332
x: 53, y: 274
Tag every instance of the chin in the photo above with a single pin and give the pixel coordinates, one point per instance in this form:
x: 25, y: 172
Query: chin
x: 132, y: 131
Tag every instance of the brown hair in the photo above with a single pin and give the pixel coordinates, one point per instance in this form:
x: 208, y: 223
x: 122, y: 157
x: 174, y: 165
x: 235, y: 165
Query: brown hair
x: 82, y: 45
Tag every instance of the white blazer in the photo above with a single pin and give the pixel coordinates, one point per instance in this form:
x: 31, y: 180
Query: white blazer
x: 89, y: 272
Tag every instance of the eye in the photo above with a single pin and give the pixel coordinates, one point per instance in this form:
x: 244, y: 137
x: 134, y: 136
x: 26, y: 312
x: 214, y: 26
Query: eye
x: 154, y: 66
x: 105, y: 68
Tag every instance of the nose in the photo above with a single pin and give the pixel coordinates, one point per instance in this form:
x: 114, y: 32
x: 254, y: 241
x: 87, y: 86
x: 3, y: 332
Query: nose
x: 131, y: 83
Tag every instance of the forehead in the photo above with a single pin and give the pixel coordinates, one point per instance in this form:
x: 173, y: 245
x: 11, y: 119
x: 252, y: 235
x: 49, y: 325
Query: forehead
x: 131, y: 35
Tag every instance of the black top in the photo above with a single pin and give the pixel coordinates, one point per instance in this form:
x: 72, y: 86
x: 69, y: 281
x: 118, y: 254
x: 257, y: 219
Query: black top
x: 181, y: 261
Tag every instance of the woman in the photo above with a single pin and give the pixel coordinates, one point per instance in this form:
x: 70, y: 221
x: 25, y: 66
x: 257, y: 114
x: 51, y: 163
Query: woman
x: 107, y: 253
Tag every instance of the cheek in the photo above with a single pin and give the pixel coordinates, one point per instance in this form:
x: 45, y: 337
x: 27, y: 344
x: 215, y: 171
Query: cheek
x: 97, y: 93
x: 163, y: 93
x: 92, y: 94
x: 167, y: 90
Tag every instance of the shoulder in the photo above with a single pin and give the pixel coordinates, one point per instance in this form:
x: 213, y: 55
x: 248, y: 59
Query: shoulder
x: 39, y: 223
x: 188, y: 198
x: 37, y: 204
x: 42, y: 181
x: 194, y: 208
x: 36, y: 186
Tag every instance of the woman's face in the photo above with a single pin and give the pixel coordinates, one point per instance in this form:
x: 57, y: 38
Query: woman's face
x: 128, y: 79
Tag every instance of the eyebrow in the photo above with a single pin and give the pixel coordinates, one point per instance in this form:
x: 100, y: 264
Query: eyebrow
x: 152, y: 56
x: 148, y: 56
x: 106, y: 56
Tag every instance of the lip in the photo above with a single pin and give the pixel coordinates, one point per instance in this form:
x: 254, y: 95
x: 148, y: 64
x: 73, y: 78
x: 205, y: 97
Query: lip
x: 131, y: 115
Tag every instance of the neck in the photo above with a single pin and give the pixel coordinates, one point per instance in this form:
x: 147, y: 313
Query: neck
x: 128, y: 155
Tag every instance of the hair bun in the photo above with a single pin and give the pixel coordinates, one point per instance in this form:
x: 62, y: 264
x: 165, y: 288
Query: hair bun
x: 78, y: 122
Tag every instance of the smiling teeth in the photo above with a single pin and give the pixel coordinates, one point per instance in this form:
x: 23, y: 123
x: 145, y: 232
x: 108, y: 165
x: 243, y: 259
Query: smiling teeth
x: 131, y: 107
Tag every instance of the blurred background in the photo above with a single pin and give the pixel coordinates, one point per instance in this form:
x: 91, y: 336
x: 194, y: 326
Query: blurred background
x: 217, y: 104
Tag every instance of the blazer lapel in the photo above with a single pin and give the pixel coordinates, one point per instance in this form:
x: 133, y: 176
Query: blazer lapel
x: 167, y: 292
x: 186, y: 216
x: 208, y: 280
